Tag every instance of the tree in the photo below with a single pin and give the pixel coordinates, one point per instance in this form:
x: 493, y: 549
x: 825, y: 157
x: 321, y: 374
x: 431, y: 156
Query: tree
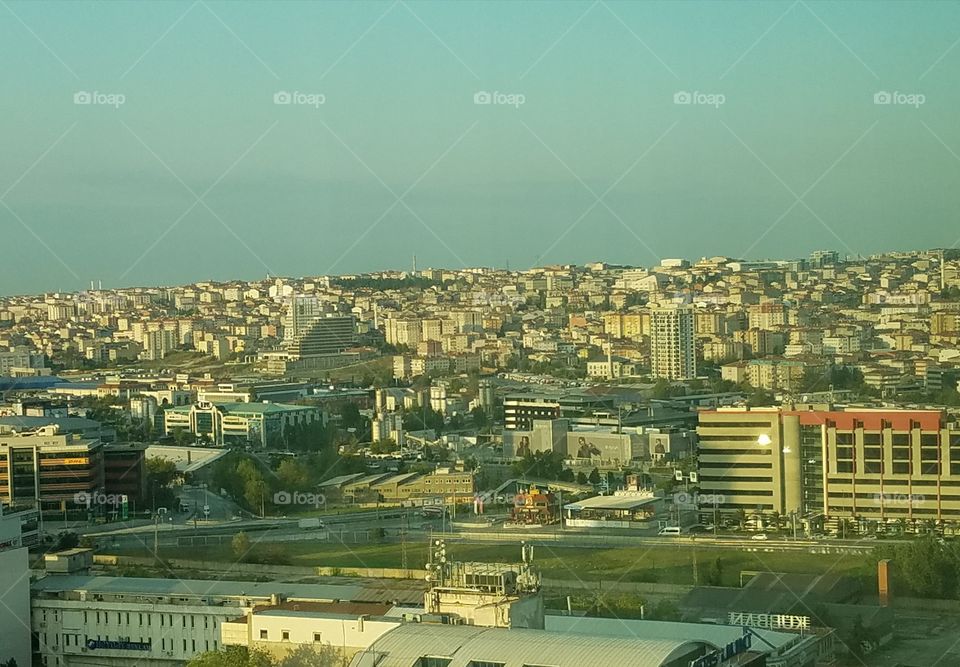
x: 594, y: 477
x: 161, y: 474
x: 240, y: 545
x: 232, y: 656
x: 714, y: 574
x: 307, y: 655
x: 541, y: 465
x: 480, y: 418
x: 293, y: 475
x: 581, y: 478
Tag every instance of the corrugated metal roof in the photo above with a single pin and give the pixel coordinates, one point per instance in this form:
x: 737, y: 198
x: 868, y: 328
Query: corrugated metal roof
x: 406, y: 644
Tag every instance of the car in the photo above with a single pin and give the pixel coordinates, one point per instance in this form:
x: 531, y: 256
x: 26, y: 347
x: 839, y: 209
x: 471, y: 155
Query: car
x: 760, y: 536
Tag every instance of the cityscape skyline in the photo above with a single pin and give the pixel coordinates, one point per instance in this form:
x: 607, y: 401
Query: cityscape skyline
x: 411, y: 270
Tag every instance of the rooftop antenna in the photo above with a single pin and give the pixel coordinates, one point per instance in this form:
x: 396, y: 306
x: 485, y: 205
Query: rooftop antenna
x: 414, y: 264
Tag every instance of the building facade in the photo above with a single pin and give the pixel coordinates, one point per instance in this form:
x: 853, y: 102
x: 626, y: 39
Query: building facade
x: 261, y: 424
x: 47, y: 468
x: 672, y: 351
x: 877, y: 467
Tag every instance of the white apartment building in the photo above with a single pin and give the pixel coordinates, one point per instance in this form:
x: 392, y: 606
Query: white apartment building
x: 672, y: 352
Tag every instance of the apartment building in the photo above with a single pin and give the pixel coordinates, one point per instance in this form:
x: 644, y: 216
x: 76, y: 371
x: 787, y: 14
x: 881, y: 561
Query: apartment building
x: 672, y: 343
x: 867, y: 465
x: 18, y: 359
x: 321, y: 336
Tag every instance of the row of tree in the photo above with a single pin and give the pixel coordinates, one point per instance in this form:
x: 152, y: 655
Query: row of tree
x: 323, y: 655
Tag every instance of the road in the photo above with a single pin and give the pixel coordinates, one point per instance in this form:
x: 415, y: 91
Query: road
x: 196, y: 497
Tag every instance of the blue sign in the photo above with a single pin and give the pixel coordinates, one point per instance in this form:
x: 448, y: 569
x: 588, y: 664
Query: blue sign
x: 721, y: 654
x: 94, y: 644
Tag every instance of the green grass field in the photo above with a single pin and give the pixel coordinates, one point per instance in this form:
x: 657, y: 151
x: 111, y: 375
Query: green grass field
x: 661, y: 564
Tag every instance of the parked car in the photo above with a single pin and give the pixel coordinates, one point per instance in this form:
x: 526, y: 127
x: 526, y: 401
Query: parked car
x: 760, y: 536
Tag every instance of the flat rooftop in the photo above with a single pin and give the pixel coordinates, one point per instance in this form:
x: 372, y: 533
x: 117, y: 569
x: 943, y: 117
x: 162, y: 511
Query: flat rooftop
x: 194, y: 587
x: 611, y: 503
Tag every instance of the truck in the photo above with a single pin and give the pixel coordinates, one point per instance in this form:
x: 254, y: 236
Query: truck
x: 312, y: 522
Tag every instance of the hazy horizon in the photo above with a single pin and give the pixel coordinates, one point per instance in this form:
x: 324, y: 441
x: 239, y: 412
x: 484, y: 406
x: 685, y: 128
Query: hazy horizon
x: 164, y: 143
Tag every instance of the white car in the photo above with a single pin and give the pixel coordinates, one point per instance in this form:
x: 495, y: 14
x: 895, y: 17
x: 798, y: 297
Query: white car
x: 759, y: 536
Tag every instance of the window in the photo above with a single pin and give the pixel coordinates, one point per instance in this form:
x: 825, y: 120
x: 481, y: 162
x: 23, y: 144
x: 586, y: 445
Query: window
x: 317, y: 637
x: 263, y: 634
x: 285, y: 635
x: 485, y: 663
x: 872, y: 439
x: 430, y: 661
x: 929, y: 439
x: 901, y: 468
x: 901, y: 439
x: 844, y: 466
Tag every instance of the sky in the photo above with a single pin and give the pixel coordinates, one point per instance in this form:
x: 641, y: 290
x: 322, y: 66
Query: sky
x: 161, y: 143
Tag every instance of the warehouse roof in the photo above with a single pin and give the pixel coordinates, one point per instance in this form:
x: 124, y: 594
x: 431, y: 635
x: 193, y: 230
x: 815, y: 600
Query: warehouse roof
x: 463, y: 645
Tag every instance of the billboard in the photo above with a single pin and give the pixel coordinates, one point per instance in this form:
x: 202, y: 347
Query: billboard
x: 599, y: 446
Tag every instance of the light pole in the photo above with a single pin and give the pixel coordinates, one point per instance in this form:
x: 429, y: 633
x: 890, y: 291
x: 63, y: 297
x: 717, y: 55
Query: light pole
x: 161, y: 511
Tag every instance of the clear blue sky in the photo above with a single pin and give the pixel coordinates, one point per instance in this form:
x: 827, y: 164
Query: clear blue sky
x: 88, y: 191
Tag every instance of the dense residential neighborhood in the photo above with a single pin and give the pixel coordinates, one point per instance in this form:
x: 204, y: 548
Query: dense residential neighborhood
x: 790, y: 408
